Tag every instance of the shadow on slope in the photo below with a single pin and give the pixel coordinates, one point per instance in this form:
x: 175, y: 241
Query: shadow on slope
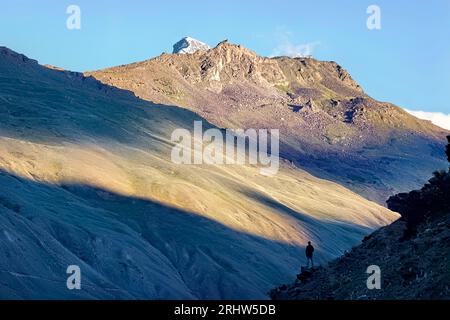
x: 327, y: 235
x: 127, y: 248
x: 53, y: 106
x: 46, y: 105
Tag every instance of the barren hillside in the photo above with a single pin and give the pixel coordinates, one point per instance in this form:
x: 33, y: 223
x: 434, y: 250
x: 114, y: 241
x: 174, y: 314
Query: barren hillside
x: 329, y: 125
x: 86, y: 179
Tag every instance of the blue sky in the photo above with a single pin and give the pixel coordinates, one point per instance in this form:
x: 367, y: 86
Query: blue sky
x: 407, y: 62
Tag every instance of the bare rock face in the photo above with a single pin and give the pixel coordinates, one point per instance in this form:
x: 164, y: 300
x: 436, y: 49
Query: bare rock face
x: 189, y: 45
x: 328, y: 124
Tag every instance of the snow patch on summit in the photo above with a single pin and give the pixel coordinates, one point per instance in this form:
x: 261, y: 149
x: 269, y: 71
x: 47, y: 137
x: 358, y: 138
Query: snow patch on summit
x: 189, y: 45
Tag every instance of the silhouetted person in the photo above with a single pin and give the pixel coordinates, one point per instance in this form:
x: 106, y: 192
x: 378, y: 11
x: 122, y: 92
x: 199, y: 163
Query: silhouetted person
x: 309, y: 251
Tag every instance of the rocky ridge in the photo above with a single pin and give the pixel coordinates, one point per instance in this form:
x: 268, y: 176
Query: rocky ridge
x: 329, y: 125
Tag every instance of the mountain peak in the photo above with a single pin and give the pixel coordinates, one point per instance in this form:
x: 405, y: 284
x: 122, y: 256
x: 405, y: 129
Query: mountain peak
x: 189, y: 45
x: 227, y: 45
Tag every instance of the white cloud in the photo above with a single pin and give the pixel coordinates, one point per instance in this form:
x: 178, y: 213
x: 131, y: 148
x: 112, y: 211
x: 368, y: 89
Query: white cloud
x: 438, y: 118
x: 287, y: 48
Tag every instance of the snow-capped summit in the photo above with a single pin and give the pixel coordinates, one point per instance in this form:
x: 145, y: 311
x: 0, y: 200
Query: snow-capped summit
x: 189, y: 45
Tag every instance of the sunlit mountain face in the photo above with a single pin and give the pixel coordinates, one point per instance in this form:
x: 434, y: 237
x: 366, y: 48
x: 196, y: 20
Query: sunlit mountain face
x: 328, y: 125
x: 86, y: 179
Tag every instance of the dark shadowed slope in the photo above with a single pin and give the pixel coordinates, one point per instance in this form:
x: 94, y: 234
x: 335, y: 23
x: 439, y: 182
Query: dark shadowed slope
x: 416, y: 268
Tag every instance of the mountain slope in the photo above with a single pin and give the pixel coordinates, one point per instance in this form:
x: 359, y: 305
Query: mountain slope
x: 86, y: 179
x: 328, y: 125
x: 413, y: 269
x: 412, y: 254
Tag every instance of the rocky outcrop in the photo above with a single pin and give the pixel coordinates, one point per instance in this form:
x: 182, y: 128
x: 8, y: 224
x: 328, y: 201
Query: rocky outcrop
x: 412, y: 255
x: 417, y: 268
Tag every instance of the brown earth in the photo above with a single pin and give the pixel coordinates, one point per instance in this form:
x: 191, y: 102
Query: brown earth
x: 329, y: 125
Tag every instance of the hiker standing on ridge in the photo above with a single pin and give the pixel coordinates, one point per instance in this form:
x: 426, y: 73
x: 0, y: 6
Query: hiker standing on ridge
x: 309, y: 254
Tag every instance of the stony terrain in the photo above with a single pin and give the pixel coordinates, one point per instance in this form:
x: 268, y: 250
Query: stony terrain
x: 416, y: 268
x: 329, y: 125
x: 86, y: 179
x: 411, y: 255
